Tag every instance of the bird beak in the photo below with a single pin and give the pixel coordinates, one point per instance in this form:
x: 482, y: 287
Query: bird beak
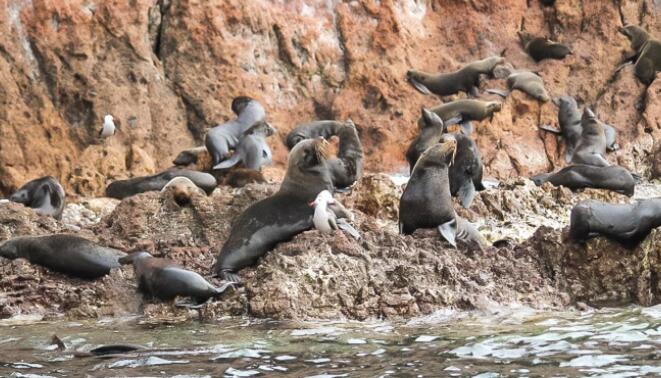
x: 312, y: 204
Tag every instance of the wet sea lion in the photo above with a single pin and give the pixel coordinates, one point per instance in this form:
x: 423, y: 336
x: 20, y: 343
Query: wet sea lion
x: 68, y: 254
x: 347, y: 167
x: 646, y: 53
x: 252, y: 152
x: 125, y: 188
x: 466, y: 79
x: 163, y: 279
x: 569, y: 118
x: 465, y: 174
x: 223, y: 138
x: 627, y: 223
x: 466, y: 110
x: 613, y: 177
x: 540, y: 48
x: 592, y: 146
x: 45, y: 195
x: 280, y: 217
x: 426, y: 201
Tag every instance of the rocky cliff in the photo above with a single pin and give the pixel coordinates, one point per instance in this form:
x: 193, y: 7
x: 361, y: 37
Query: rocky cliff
x: 168, y: 69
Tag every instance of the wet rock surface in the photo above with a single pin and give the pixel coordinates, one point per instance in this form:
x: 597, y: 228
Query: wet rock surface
x: 384, y: 275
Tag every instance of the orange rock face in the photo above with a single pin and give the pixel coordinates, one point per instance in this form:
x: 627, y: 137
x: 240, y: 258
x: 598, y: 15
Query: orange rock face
x: 167, y: 70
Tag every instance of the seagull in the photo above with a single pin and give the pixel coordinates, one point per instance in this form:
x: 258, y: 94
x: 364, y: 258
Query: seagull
x: 329, y: 215
x: 108, y: 129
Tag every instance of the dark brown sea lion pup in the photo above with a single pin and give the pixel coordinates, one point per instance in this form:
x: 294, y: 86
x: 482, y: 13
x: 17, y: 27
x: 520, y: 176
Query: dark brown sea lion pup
x: 527, y: 82
x: 615, y: 178
x: 646, y: 53
x: 466, y: 79
x: 280, y: 217
x: 540, y: 48
x: 569, y: 118
x: 627, y: 223
x: 45, y: 195
x: 68, y: 254
x: 252, y: 152
x: 426, y: 201
x: 125, y: 188
x: 591, y: 148
x: 225, y: 137
x: 466, y: 110
x: 190, y: 156
x: 347, y: 167
x: 163, y: 279
x: 432, y: 129
x: 465, y: 174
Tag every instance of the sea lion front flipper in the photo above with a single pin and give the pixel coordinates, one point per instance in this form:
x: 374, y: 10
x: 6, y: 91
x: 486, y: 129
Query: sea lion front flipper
x: 448, y: 231
x: 419, y: 86
x: 349, y: 229
x: 569, y: 153
x: 541, y: 178
x: 189, y: 304
x: 550, y: 129
x: 229, y: 276
x: 229, y: 163
x: 466, y: 193
x: 498, y: 92
x: 221, y: 289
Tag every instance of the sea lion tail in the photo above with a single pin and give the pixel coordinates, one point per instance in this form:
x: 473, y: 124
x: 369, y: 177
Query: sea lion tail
x: 498, y: 92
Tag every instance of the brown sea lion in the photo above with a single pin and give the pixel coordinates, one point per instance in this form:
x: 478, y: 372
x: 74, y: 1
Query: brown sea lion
x: 525, y: 81
x: 45, y: 195
x: 465, y: 110
x: 280, y: 217
x: 592, y: 147
x: 540, y: 48
x: 465, y: 173
x: 125, y: 188
x: 627, y: 223
x: 613, y: 177
x: 466, y: 79
x: 646, y: 53
x: 163, y: 279
x: 347, y: 167
x: 68, y: 254
x: 426, y: 201
x: 431, y: 131
x: 199, y: 156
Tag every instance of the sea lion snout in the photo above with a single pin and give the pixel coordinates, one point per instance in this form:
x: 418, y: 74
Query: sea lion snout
x: 20, y: 197
x: 8, y: 250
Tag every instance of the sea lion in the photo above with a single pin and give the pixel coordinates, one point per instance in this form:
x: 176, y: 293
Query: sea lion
x: 182, y: 190
x: 466, y: 110
x: 465, y: 174
x: 68, y: 254
x: 347, y: 167
x: 569, y: 118
x: 163, y: 279
x: 646, y: 53
x: 125, y: 188
x: 540, y: 48
x: 252, y: 152
x: 45, y: 195
x: 426, y: 201
x: 280, y: 217
x: 613, y: 177
x: 592, y: 146
x: 466, y: 79
x: 626, y: 223
x: 191, y: 156
x: 223, y: 138
x: 525, y: 81
x: 432, y: 129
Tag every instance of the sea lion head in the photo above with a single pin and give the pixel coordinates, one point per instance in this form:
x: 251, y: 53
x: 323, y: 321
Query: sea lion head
x: 21, y: 196
x: 440, y: 155
x: 637, y: 35
x: 415, y: 75
x: 135, y: 256
x: 308, y: 155
x: 262, y: 128
x: 590, y: 123
x: 430, y: 119
x: 240, y: 103
x: 9, y: 249
x: 307, y: 171
x: 566, y: 101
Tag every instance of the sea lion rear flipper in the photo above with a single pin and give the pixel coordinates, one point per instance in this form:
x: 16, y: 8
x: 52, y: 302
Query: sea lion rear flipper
x: 349, y: 229
x: 453, y: 120
x: 448, y: 231
x: 549, y: 129
x: 498, y: 92
x: 419, y: 86
x: 636, y: 177
x: 466, y: 193
x: 221, y: 289
x: 229, y: 163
